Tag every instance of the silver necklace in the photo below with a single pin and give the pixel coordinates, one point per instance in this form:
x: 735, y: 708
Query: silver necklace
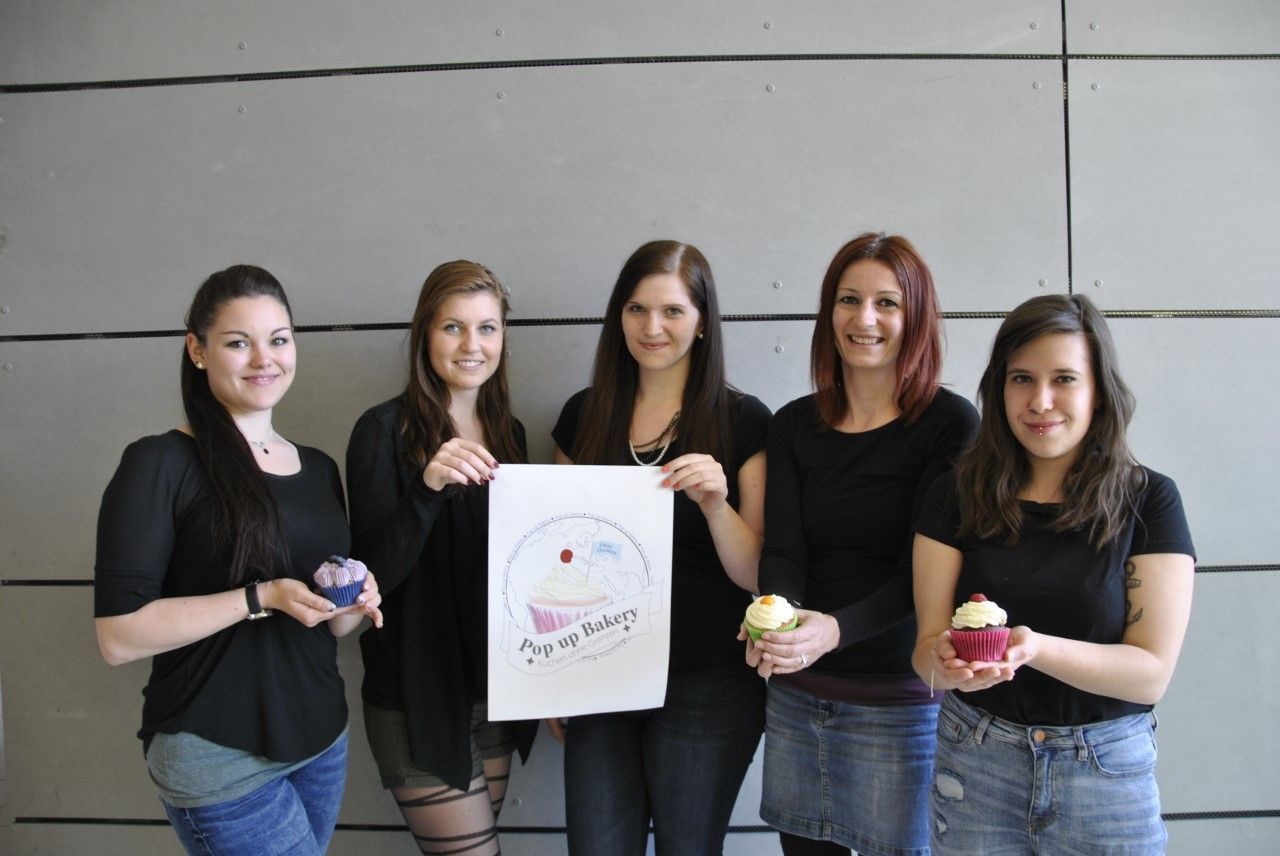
x: 668, y: 434
x: 261, y: 445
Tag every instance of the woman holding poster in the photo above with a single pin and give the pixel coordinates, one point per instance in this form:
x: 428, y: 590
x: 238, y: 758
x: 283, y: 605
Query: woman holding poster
x: 850, y: 736
x: 417, y: 470
x: 659, y: 398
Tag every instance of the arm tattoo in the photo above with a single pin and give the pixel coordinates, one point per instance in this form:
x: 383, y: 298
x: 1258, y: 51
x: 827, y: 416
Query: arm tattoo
x: 1131, y: 581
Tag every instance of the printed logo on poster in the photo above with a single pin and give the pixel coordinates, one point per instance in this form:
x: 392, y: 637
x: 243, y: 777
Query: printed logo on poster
x: 575, y: 586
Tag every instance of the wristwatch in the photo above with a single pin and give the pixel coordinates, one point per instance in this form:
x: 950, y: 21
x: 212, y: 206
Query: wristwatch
x: 255, y: 608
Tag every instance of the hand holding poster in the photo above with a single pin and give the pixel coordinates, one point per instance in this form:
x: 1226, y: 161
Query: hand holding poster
x: 579, y: 590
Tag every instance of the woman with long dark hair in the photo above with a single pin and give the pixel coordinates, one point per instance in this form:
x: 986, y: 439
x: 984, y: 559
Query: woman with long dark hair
x: 849, y: 740
x: 658, y: 397
x: 207, y: 541
x: 418, y: 468
x: 1051, y: 748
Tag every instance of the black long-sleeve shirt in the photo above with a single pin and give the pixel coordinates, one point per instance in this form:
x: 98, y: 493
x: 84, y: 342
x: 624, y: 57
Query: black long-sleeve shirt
x: 838, y: 515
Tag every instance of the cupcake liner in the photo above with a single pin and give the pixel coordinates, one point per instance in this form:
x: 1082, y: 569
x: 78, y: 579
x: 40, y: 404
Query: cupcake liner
x: 755, y: 632
x: 341, y: 596
x: 986, y: 646
x: 550, y: 618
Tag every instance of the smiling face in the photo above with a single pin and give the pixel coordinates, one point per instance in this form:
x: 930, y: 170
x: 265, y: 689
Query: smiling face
x: 660, y: 323
x: 248, y: 354
x: 1049, y: 397
x: 868, y: 317
x: 464, y: 344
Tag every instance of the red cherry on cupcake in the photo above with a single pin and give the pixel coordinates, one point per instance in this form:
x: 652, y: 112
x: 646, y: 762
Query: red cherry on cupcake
x: 566, y: 556
x: 977, y: 598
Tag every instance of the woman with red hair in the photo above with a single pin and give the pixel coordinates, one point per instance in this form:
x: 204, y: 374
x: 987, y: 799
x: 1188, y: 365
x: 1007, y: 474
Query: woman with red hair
x: 849, y: 738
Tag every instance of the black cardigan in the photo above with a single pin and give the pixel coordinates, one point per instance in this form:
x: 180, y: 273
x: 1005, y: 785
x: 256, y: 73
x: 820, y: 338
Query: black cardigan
x: 429, y: 550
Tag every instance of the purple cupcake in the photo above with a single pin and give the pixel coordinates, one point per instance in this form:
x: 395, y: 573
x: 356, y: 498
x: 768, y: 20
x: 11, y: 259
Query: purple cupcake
x: 341, y: 580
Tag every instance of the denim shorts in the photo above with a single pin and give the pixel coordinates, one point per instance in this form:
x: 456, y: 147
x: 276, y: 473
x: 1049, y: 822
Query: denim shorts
x: 1001, y: 787
x: 854, y: 774
x: 388, y: 734
x: 292, y: 815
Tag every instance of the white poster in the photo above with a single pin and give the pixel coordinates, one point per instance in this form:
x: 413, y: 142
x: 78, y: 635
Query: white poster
x: 579, y: 590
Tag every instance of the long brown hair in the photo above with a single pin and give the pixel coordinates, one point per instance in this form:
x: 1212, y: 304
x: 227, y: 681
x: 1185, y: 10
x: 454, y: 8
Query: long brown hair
x: 605, y: 425
x: 246, y: 519
x: 1099, y: 489
x: 919, y: 362
x: 426, y: 425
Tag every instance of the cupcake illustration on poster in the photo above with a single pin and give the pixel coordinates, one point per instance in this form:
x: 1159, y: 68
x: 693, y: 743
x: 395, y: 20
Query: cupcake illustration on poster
x: 575, y: 585
x: 570, y: 567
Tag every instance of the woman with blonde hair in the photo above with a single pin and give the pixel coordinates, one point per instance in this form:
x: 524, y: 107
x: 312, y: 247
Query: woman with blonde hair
x: 417, y: 469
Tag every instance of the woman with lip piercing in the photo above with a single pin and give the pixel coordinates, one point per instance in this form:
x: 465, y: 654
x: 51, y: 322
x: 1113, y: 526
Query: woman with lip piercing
x: 659, y: 398
x: 418, y: 467
x: 1052, y: 748
x: 208, y: 537
x: 850, y: 727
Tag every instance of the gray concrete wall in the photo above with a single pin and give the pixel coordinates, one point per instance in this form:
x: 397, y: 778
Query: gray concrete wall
x: 1126, y: 150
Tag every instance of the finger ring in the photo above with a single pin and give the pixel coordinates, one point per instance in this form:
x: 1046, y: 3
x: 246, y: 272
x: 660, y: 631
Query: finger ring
x: 804, y: 661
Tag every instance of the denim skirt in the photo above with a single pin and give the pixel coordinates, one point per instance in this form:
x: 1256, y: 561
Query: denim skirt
x: 854, y: 774
x: 1003, y: 787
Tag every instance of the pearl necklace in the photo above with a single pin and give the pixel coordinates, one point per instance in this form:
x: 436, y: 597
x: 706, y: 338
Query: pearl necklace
x: 668, y: 434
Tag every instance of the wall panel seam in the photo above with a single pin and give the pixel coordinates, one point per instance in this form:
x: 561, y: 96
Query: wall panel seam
x: 573, y: 62
x: 1157, y: 314
x: 83, y: 583
x: 1224, y: 814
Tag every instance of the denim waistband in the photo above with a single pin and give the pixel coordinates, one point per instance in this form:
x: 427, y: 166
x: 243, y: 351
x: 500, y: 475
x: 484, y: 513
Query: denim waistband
x: 1078, y: 737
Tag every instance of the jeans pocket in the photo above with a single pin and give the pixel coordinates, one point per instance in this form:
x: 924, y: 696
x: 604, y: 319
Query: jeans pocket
x: 952, y: 730
x: 1133, y: 755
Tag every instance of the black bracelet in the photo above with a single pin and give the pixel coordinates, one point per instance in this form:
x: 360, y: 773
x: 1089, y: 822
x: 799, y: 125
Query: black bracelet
x: 255, y: 608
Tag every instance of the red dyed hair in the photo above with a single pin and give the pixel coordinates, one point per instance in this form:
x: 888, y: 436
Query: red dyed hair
x: 919, y: 363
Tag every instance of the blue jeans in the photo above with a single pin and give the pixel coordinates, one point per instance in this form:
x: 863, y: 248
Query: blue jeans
x: 1002, y: 788
x: 293, y: 815
x: 681, y: 764
x: 854, y: 774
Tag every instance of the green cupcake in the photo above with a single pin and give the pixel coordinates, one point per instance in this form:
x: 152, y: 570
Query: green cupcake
x: 770, y: 613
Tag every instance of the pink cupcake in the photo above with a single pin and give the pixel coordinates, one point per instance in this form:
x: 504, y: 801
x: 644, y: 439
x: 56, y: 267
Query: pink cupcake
x: 564, y: 595
x: 978, y: 630
x: 341, y: 580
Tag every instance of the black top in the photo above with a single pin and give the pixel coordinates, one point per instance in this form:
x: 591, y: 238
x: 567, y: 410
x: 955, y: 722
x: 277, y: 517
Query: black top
x: 1056, y: 583
x: 430, y: 552
x: 270, y: 687
x: 838, y: 517
x: 706, y: 606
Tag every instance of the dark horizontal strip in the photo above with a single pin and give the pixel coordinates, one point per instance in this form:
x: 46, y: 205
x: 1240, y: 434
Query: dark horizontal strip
x: 1158, y: 314
x: 1250, y: 814
x: 1234, y: 569
x: 1222, y: 815
x: 1200, y: 569
x: 190, y: 80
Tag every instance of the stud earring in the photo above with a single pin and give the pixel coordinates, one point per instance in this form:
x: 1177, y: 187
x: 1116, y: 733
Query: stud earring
x: 699, y: 335
x: 199, y: 365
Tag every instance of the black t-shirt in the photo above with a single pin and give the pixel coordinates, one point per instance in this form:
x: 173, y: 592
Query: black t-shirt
x: 706, y: 606
x: 270, y: 687
x: 838, y: 515
x: 1057, y: 583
